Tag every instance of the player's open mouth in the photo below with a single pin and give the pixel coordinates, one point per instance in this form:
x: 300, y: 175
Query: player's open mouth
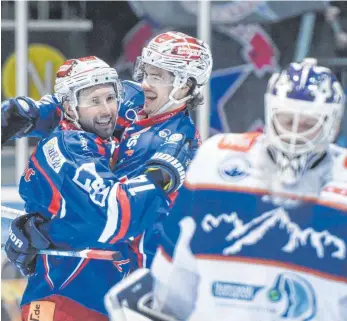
x: 104, y: 121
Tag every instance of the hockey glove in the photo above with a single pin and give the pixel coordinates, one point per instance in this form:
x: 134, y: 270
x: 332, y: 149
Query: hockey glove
x: 18, y: 116
x: 24, y: 241
x: 136, y: 292
x: 169, y: 164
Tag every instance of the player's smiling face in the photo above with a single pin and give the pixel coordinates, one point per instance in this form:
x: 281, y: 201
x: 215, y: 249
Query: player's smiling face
x: 157, y: 85
x: 98, y: 110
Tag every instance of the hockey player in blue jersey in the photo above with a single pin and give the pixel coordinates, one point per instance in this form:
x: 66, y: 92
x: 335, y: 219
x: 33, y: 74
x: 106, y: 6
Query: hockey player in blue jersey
x: 172, y: 126
x: 263, y: 234
x: 172, y: 70
x: 77, y: 202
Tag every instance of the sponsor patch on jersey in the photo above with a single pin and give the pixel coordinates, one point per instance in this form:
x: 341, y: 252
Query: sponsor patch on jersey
x: 41, y: 311
x: 292, y: 292
x: 234, y: 168
x: 236, y: 291
x: 287, y: 292
x: 175, y: 137
x: 54, y: 156
x: 164, y: 133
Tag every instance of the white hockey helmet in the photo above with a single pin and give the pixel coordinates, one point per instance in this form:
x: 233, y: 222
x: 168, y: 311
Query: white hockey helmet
x: 81, y: 73
x: 304, y: 105
x: 184, y: 56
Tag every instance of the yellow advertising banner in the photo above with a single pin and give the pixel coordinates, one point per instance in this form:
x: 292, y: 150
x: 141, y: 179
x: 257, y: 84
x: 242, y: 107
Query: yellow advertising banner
x: 43, y: 63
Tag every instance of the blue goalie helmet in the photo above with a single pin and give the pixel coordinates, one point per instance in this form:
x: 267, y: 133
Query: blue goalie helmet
x: 304, y: 107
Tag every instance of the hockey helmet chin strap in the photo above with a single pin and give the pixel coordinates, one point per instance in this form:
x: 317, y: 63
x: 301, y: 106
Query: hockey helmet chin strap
x: 171, y: 102
x: 75, y: 120
x: 176, y: 86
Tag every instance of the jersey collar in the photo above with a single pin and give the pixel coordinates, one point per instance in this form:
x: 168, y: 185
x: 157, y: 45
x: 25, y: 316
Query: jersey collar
x: 66, y: 125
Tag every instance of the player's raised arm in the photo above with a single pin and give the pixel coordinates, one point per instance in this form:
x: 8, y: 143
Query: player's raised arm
x: 24, y: 117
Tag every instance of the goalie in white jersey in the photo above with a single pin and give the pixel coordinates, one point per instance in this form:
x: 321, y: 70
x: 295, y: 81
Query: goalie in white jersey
x: 259, y: 231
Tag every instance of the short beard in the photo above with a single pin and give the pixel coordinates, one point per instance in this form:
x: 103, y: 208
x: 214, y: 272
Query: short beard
x: 90, y: 128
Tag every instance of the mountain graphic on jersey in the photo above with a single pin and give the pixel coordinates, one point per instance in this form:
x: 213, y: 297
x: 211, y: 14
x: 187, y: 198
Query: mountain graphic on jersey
x: 243, y: 235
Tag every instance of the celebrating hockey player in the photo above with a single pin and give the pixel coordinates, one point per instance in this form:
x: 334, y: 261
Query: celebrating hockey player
x: 263, y: 234
x: 77, y: 202
x: 173, y: 68
x: 150, y: 129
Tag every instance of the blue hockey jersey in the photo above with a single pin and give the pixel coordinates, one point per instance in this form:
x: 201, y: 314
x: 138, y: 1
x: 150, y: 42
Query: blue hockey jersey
x: 68, y: 180
x: 139, y: 140
x: 137, y: 144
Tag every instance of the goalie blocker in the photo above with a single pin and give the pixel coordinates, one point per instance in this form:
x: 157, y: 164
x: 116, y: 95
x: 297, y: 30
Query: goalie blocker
x: 131, y: 299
